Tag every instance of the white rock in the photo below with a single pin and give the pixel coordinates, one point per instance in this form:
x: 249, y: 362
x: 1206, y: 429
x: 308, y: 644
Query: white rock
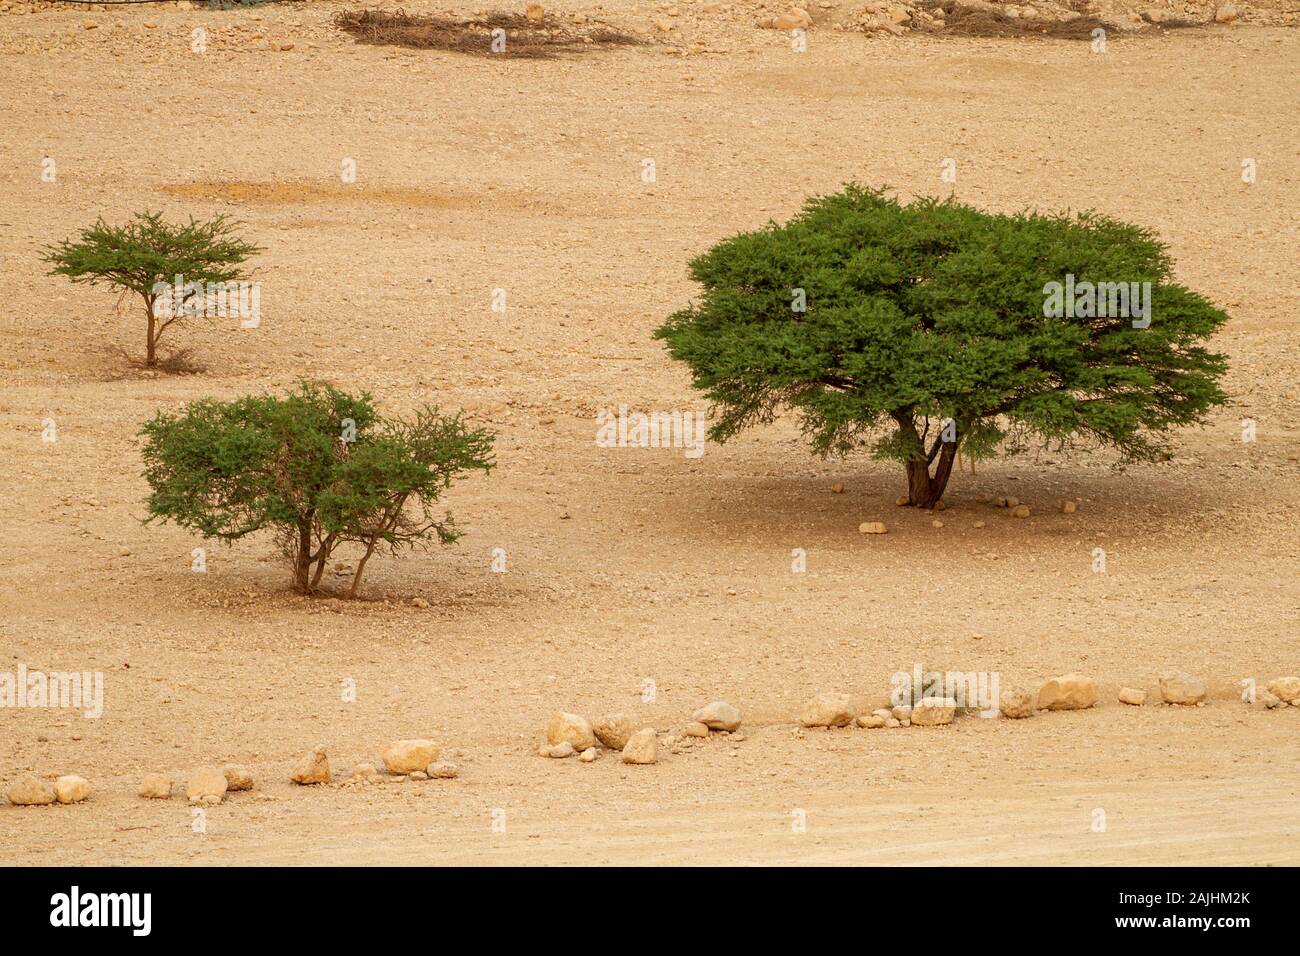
x: 696, y: 729
x: 827, y: 710
x: 441, y: 770
x: 933, y: 711
x: 873, y: 527
x: 718, y: 715
x: 1132, y: 696
x: 561, y: 750
x: 871, y: 721
x: 588, y: 755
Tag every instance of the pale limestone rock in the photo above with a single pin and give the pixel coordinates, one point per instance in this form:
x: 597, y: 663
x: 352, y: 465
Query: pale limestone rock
x: 642, y: 747
x: 1067, y: 692
x: 71, y: 788
x: 613, y: 730
x: 407, y: 756
x: 718, y: 715
x: 312, y: 768
x: 571, y: 729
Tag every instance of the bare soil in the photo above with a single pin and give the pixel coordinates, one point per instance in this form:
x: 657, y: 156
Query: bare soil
x: 475, y: 174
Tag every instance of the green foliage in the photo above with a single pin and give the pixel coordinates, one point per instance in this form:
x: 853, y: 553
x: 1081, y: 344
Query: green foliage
x: 146, y: 252
x: 318, y: 466
x: 934, y: 310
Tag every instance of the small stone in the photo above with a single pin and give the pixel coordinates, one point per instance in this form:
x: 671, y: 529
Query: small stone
x: 571, y: 729
x: 900, y: 712
x: 1067, y: 692
x: 871, y: 721
x: 696, y: 729
x: 30, y: 791
x: 933, y: 711
x: 1225, y: 14
x: 561, y: 750
x: 1179, y: 688
x: 285, y: 48
x: 406, y: 756
x: 893, y: 722
x: 1016, y: 704
x: 155, y: 786
x: 873, y: 527
x: 1285, y: 688
x: 941, y: 505
x: 417, y: 775
x: 1068, y: 507
x: 1132, y: 696
x: 718, y: 715
x: 535, y: 12
x: 442, y: 770
x: 237, y: 778
x: 588, y: 755
x: 90, y: 24
x: 150, y: 25
x: 1155, y: 15
x: 936, y: 524
x: 902, y: 500
x: 1269, y: 700
x: 837, y: 488
x: 314, y: 767
x: 642, y: 747
x: 827, y: 710
x: 979, y: 524
x: 612, y: 730
x: 419, y: 602
x: 1020, y: 511
x: 205, y: 782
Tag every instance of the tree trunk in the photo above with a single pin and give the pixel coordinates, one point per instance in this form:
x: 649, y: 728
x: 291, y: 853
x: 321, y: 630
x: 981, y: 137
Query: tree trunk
x: 361, y: 566
x: 924, y: 490
x: 302, y: 559
x: 150, y: 351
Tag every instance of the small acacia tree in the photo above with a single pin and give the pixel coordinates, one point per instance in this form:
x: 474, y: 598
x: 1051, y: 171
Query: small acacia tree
x: 318, y: 466
x: 147, y: 254
x: 926, y: 328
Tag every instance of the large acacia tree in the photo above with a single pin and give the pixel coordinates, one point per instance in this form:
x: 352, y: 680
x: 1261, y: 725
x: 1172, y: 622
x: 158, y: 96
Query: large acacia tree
x: 926, y: 328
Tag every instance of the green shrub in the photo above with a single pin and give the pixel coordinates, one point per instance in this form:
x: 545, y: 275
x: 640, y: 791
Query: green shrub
x: 928, y: 329
x: 148, y: 254
x: 319, y: 467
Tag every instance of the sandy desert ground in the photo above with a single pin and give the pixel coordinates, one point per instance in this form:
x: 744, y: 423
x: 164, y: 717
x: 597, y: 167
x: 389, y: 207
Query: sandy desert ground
x: 635, y: 564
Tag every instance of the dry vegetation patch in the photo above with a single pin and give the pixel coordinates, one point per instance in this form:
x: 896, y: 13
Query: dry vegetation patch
x: 523, y: 37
